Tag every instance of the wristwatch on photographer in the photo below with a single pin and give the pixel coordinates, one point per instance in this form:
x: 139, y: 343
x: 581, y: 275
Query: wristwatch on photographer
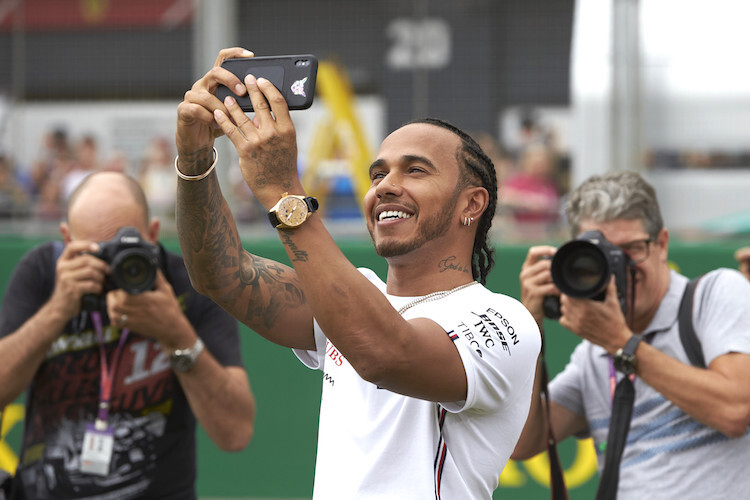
x: 183, y: 360
x: 291, y: 211
x: 624, y: 359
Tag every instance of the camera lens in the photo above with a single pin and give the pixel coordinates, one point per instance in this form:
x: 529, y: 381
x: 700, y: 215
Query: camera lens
x: 580, y: 269
x: 133, y: 271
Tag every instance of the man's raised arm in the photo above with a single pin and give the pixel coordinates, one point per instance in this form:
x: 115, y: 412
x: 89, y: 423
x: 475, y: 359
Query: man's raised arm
x: 253, y: 289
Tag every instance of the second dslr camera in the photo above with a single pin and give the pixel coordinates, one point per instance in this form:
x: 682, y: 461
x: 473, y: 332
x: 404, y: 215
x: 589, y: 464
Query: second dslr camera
x: 582, y: 268
x: 133, y: 265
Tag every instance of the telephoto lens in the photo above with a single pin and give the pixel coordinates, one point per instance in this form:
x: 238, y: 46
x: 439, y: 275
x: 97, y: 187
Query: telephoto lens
x: 582, y: 268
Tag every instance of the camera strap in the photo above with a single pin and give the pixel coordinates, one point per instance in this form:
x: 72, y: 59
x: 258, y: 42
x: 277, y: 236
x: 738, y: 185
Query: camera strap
x: 558, y: 490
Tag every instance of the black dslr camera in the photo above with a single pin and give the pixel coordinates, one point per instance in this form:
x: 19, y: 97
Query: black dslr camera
x: 582, y: 268
x: 133, y: 263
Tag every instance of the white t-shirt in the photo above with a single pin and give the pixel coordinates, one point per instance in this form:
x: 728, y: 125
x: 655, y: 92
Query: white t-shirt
x: 373, y: 443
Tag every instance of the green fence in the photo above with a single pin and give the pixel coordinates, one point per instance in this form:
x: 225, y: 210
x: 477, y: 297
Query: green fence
x: 279, y: 463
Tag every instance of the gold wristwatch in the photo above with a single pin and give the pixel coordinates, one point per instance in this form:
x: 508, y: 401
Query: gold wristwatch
x: 292, y: 210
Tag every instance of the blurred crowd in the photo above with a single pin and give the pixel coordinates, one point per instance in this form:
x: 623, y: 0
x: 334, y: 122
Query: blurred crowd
x: 40, y: 190
x: 532, y: 178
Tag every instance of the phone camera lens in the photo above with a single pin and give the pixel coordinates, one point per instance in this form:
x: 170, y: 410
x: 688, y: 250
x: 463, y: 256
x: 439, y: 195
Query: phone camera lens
x: 301, y: 63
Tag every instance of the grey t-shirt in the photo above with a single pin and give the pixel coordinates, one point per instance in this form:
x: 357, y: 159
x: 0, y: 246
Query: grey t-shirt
x: 668, y: 454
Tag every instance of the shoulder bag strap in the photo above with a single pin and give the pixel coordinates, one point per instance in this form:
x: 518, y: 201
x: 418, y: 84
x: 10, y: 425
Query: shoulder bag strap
x: 689, y: 339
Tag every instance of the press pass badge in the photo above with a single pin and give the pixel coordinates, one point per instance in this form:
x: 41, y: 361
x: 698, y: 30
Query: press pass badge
x: 98, y: 443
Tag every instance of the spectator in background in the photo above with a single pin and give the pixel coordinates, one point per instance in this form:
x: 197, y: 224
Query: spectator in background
x: 47, y: 173
x: 117, y: 162
x: 743, y: 258
x: 503, y: 162
x: 86, y: 162
x: 14, y: 199
x: 157, y: 176
x: 532, y: 195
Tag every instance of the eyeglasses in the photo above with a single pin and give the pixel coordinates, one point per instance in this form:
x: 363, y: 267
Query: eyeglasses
x: 637, y: 250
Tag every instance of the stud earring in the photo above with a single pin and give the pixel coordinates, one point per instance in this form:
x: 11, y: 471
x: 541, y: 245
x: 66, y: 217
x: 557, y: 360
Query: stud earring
x: 468, y: 221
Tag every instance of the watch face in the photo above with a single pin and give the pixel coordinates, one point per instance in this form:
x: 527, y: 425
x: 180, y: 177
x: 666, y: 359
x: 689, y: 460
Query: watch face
x: 181, y: 362
x: 292, y: 211
x: 625, y: 363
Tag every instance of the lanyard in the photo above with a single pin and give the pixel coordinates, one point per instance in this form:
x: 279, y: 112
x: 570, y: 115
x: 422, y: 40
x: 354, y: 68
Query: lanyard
x: 613, y: 380
x: 107, y: 374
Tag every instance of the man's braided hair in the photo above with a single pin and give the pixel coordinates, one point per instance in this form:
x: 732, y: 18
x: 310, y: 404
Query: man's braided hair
x: 476, y: 169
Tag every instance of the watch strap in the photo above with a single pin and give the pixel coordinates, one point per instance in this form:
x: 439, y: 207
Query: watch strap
x: 273, y: 219
x: 624, y: 358
x: 632, y: 344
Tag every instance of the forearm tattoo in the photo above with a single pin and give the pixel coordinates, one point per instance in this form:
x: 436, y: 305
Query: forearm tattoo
x: 256, y: 290
x: 298, y: 255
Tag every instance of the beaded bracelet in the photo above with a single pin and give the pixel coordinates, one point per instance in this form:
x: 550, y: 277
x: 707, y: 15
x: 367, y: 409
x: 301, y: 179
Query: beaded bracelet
x: 196, y: 177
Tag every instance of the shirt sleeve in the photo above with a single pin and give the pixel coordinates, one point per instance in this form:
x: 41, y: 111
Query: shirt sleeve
x: 722, y: 316
x: 30, y: 286
x: 498, y: 341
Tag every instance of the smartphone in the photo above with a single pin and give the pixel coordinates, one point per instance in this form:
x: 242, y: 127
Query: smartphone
x: 294, y: 76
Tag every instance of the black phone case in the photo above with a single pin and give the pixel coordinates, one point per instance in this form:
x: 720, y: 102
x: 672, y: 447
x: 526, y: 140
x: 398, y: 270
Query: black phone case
x: 294, y: 76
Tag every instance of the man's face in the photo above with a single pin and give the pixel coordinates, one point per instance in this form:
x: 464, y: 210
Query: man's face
x: 414, y: 190
x: 103, y: 208
x: 652, y: 274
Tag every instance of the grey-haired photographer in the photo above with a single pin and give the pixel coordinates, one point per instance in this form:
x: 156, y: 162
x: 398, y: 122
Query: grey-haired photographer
x: 664, y: 426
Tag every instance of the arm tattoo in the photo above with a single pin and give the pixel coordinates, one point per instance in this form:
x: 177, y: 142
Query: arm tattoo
x: 272, y: 287
x: 258, y: 290
x: 274, y: 165
x: 298, y: 255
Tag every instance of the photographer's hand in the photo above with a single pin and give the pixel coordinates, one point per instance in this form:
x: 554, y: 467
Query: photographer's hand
x: 77, y: 273
x: 155, y: 314
x: 742, y: 255
x: 601, y: 323
x: 536, y: 280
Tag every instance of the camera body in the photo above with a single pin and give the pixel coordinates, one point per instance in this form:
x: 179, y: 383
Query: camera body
x: 133, y: 264
x: 582, y: 268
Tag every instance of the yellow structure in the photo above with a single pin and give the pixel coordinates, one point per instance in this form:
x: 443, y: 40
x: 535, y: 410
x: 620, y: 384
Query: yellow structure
x: 339, y: 141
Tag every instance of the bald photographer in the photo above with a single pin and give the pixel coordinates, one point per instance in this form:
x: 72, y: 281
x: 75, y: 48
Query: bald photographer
x: 118, y: 355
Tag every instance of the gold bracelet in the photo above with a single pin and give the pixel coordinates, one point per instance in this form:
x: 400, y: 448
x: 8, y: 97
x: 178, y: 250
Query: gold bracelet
x: 196, y: 177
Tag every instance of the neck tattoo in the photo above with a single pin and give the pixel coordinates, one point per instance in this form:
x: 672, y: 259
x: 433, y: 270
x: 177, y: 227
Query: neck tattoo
x: 434, y: 296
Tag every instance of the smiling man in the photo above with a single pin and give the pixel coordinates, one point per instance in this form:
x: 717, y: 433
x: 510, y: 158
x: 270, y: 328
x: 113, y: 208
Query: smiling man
x: 689, y: 423
x: 427, y: 376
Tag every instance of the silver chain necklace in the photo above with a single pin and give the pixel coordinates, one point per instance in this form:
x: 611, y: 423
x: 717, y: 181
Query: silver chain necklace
x: 434, y: 296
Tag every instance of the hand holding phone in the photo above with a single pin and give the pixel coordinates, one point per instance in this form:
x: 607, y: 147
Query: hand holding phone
x: 294, y: 76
